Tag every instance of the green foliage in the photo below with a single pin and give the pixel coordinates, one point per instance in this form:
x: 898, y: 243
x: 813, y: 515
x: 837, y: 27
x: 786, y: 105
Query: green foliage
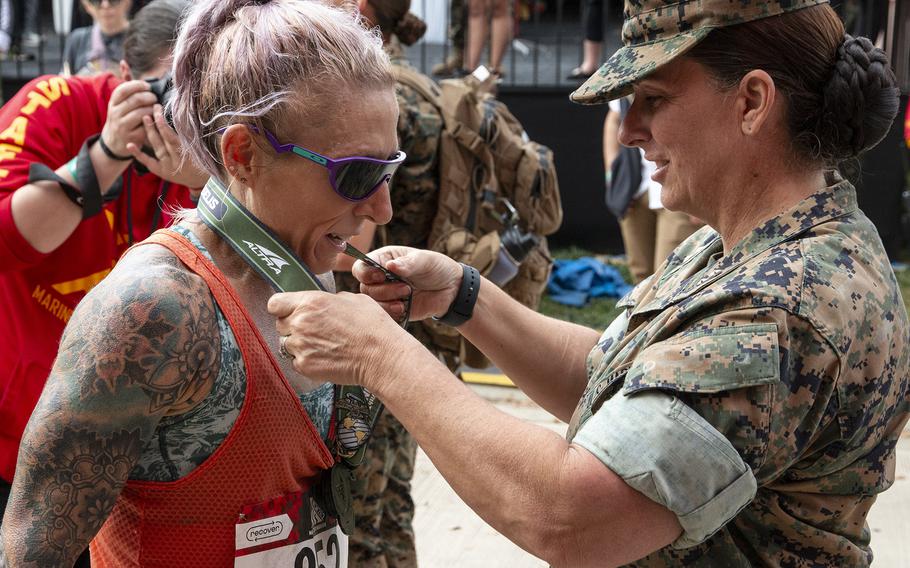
x: 903, y: 279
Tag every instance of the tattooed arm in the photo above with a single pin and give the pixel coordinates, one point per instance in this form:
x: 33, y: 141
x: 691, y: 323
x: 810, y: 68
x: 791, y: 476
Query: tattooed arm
x: 142, y: 345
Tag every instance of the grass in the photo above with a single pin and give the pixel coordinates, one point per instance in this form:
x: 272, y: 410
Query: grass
x: 599, y: 312
x: 903, y: 279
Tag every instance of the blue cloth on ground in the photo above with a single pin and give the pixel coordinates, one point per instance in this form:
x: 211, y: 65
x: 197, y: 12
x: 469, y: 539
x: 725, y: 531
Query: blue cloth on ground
x: 573, y: 282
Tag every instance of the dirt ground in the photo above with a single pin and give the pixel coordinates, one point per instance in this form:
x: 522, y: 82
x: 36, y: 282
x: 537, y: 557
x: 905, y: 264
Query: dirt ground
x: 449, y: 534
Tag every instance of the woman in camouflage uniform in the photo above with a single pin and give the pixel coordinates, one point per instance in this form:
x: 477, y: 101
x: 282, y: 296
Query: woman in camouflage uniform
x: 744, y: 408
x: 383, y: 508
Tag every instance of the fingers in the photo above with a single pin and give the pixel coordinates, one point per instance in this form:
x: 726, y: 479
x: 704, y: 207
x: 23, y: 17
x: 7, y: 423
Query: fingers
x: 134, y: 119
x: 149, y: 162
x: 283, y: 304
x: 126, y: 90
x: 153, y: 136
x: 167, y: 133
x: 395, y: 308
x: 391, y: 292
x: 367, y: 274
x: 384, y: 256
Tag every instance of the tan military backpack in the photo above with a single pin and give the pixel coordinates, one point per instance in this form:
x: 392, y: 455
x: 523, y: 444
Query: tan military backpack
x: 496, y: 186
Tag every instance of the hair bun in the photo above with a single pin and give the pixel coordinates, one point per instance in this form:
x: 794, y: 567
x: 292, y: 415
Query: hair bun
x: 410, y: 28
x: 861, y: 100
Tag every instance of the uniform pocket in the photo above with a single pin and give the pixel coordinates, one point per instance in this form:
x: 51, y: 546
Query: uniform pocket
x: 709, y: 361
x: 727, y: 375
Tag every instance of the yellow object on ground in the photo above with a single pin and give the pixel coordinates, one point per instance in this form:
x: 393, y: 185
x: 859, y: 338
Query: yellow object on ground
x: 480, y: 378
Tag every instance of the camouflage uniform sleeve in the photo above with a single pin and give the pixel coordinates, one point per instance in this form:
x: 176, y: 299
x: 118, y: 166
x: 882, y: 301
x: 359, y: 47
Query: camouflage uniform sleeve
x: 662, y: 448
x: 407, y: 123
x: 763, y: 380
x: 415, y: 188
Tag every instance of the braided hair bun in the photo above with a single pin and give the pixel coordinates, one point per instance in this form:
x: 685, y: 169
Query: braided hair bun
x: 410, y: 29
x: 860, y: 100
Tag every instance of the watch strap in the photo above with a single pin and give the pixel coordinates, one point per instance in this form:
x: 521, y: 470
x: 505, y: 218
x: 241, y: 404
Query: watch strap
x: 462, y: 307
x: 110, y: 153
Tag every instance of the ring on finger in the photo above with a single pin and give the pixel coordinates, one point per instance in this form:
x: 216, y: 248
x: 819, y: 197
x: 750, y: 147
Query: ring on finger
x: 283, y: 349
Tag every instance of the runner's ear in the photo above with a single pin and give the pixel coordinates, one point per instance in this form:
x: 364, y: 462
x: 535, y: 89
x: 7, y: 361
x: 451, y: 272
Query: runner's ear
x: 238, y: 151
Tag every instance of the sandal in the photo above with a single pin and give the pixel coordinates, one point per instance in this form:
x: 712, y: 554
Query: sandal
x: 579, y: 74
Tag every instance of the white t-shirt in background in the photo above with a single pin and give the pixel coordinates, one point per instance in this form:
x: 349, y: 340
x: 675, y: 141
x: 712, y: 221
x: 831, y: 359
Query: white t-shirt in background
x: 647, y: 168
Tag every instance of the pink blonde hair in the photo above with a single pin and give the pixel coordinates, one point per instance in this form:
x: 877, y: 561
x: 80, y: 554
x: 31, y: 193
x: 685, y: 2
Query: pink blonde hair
x: 267, y: 63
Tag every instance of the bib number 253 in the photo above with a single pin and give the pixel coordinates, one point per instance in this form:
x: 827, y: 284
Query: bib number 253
x: 323, y: 551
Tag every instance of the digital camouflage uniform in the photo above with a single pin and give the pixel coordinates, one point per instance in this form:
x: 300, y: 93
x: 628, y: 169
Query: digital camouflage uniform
x: 458, y: 25
x: 794, y: 346
x: 383, y: 506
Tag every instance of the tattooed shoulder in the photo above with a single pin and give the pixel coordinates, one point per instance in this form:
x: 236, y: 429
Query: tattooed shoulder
x: 143, y: 344
x: 150, y: 324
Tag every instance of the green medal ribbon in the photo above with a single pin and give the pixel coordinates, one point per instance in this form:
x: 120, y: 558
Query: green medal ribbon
x: 356, y: 409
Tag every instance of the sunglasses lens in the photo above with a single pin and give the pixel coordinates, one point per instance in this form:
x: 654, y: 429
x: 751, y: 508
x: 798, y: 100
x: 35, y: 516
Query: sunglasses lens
x: 357, y: 179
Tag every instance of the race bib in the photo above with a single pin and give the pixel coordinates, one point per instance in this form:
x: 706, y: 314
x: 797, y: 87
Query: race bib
x: 289, y: 531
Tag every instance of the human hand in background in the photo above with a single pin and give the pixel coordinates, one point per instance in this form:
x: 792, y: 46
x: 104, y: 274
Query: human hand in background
x: 168, y: 162
x: 129, y: 104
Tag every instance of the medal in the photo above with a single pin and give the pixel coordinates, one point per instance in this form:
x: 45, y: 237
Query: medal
x: 334, y: 496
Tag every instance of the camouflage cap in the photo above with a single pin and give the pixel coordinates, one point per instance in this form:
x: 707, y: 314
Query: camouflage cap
x: 657, y: 31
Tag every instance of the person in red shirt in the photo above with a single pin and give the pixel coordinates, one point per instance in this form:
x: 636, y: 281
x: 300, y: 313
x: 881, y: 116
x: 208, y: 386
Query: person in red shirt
x: 56, y: 241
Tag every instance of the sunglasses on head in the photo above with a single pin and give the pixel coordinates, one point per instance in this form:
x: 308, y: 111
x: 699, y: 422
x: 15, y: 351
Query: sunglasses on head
x: 354, y: 178
x: 389, y: 277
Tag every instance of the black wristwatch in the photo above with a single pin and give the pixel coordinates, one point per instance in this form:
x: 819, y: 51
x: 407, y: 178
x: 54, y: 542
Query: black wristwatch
x: 462, y: 307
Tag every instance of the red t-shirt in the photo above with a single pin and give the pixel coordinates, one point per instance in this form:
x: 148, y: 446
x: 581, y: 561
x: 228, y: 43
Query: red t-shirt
x: 47, y: 122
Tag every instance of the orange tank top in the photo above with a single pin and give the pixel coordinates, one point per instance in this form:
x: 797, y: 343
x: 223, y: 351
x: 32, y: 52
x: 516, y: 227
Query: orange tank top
x: 250, y: 495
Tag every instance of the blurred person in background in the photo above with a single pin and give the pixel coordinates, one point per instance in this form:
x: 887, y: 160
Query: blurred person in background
x: 98, y: 48
x: 493, y: 18
x: 18, y: 28
x: 26, y: 23
x: 383, y: 507
x: 72, y: 201
x: 6, y: 27
x: 649, y: 231
x: 458, y: 25
x: 592, y: 45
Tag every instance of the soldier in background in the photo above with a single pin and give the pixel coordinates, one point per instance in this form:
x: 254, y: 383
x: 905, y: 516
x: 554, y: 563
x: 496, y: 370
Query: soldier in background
x: 383, y: 507
x: 744, y: 408
x: 458, y: 25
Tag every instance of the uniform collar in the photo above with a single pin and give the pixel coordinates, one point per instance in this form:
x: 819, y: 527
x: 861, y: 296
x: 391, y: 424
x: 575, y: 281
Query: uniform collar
x: 837, y: 199
x: 690, y: 273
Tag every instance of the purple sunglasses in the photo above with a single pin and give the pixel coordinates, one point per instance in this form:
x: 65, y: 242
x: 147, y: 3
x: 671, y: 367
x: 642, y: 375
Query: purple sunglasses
x: 354, y: 178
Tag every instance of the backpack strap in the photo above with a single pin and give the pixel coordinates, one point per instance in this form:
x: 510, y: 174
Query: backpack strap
x: 430, y: 91
x: 425, y: 87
